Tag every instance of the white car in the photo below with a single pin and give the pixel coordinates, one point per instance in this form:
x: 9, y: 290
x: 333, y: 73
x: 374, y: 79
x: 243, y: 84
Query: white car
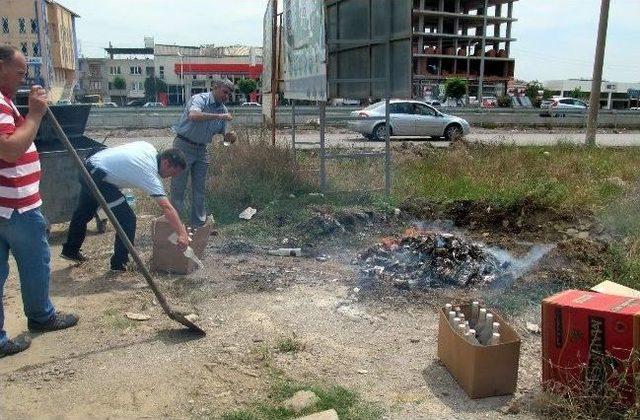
x: 154, y: 105
x: 251, y: 104
x: 408, y: 118
x: 560, y: 107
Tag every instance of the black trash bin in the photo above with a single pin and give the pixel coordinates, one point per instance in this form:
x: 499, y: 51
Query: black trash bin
x: 60, y: 180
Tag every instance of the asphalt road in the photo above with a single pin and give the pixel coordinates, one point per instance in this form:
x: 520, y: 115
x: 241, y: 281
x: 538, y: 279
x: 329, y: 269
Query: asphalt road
x: 350, y: 140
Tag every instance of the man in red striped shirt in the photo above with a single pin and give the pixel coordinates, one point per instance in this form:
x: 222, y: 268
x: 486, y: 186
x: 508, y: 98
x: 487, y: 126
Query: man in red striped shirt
x: 22, y: 226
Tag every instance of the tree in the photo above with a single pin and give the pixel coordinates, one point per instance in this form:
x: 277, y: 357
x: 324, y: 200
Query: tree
x: 246, y: 86
x: 455, y: 88
x: 504, y: 101
x: 119, y: 83
x: 533, y: 89
x: 153, y: 86
x: 578, y: 93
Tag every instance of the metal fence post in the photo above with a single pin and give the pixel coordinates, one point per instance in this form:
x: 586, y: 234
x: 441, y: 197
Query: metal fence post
x: 323, y: 162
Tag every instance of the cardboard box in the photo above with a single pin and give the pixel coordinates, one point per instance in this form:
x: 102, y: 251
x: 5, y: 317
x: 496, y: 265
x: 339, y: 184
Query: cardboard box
x: 612, y: 288
x: 482, y: 371
x: 586, y: 334
x: 166, y: 257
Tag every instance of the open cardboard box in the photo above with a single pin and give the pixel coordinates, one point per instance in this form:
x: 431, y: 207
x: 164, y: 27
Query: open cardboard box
x: 166, y: 257
x: 482, y: 371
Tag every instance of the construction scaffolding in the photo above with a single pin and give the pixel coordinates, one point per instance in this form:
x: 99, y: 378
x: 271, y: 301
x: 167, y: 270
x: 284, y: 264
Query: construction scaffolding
x: 450, y: 39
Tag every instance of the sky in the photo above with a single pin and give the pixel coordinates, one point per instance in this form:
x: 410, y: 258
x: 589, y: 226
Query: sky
x: 555, y: 38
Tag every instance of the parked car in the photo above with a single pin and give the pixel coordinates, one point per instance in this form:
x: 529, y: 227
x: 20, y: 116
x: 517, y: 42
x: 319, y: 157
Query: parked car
x: 634, y: 108
x: 407, y: 118
x: 489, y: 102
x: 560, y: 107
x: 136, y: 102
x: 154, y: 105
x: 106, y: 105
x: 63, y: 102
x: 433, y: 102
x: 251, y: 104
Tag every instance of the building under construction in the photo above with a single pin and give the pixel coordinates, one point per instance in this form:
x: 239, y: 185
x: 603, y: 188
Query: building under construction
x: 470, y: 39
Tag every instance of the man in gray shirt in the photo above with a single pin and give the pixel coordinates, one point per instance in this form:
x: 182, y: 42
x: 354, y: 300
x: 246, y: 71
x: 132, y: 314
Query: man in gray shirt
x: 136, y: 165
x: 204, y: 116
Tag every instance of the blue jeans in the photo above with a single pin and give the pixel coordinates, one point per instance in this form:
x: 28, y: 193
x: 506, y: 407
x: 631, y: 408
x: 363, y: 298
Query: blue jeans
x: 25, y: 235
x: 197, y: 164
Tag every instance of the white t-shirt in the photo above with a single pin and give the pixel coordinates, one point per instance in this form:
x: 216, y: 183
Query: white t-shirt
x: 132, y: 165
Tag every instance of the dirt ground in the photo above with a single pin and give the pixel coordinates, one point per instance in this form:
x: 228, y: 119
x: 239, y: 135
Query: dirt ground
x: 382, y: 345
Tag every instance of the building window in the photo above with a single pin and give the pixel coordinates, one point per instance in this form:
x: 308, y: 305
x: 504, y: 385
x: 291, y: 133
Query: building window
x: 24, y: 48
x: 135, y: 70
x: 150, y: 71
x: 162, y: 72
x: 36, y: 49
x: 34, y: 26
x: 114, y: 70
x: 94, y: 70
x: 21, y: 26
x: 5, y: 25
x: 96, y: 85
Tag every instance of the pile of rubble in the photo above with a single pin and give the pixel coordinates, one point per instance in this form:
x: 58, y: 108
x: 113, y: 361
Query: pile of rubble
x: 430, y: 260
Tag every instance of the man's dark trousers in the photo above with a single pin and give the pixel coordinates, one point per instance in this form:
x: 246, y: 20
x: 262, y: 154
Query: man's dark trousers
x: 86, y: 210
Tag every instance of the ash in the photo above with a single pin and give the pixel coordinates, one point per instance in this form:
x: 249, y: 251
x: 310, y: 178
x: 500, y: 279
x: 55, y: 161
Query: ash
x: 431, y: 260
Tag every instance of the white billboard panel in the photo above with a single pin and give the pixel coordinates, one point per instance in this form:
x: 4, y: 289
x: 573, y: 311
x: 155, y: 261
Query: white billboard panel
x: 305, y: 54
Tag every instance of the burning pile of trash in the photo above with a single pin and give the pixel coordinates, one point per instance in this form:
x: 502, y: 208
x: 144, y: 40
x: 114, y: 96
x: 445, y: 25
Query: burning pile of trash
x: 431, y: 259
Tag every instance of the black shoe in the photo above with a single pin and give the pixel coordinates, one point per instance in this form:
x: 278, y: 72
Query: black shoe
x: 118, y: 268
x: 14, y: 346
x: 60, y: 321
x: 77, y: 258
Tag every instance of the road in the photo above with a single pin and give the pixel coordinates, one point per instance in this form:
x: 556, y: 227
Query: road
x: 350, y: 140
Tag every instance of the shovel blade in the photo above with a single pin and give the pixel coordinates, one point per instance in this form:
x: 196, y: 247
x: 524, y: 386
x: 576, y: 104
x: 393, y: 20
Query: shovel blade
x: 179, y: 317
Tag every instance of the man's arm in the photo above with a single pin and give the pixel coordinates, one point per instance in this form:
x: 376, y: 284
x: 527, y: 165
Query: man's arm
x: 14, y: 145
x: 199, y: 116
x: 174, y: 221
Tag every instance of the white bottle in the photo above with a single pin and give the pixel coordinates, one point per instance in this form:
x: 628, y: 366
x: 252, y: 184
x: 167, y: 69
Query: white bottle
x: 475, y: 312
x: 462, y: 330
x: 487, y: 331
x: 452, y: 316
x: 189, y: 252
x: 466, y: 326
x: 482, y: 319
x: 495, y: 339
x: 448, y: 307
x: 470, y: 336
x: 462, y: 317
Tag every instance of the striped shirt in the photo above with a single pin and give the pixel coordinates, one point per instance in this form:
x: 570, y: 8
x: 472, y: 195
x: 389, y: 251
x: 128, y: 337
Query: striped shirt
x: 19, y: 180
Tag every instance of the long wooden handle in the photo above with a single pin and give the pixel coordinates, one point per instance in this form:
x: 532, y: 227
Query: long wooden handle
x: 112, y: 218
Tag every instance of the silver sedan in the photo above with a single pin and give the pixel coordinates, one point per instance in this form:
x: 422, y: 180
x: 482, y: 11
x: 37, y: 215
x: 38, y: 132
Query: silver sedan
x: 408, y: 119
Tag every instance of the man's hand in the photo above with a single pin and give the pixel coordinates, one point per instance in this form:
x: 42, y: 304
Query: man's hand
x: 37, y: 102
x: 183, y: 241
x: 225, y: 117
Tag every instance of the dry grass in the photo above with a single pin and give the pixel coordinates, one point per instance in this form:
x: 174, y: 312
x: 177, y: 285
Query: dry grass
x: 604, y: 394
x: 564, y: 177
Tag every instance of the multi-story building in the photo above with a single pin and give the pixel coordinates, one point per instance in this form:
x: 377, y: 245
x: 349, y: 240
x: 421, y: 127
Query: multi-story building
x: 44, y: 31
x: 190, y: 70
x: 462, y: 38
x: 92, y: 82
x: 186, y: 70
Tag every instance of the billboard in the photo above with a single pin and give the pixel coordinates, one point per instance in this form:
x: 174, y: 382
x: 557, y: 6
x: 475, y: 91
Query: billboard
x: 304, y: 48
x: 357, y: 31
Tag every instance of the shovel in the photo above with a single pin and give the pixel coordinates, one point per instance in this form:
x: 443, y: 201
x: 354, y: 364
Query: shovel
x: 166, y: 307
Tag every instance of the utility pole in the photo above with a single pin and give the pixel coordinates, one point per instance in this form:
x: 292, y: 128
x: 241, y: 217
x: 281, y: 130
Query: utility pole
x: 484, y: 45
x: 596, y: 84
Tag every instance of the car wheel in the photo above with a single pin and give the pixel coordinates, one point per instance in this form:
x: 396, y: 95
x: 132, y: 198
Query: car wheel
x: 380, y: 132
x: 453, y: 132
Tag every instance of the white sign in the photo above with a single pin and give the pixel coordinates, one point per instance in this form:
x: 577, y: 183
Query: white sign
x: 267, y: 47
x: 304, y: 48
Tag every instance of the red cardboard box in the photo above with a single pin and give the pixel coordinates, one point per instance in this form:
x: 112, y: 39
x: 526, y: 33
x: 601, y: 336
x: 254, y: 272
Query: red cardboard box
x: 586, y: 336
